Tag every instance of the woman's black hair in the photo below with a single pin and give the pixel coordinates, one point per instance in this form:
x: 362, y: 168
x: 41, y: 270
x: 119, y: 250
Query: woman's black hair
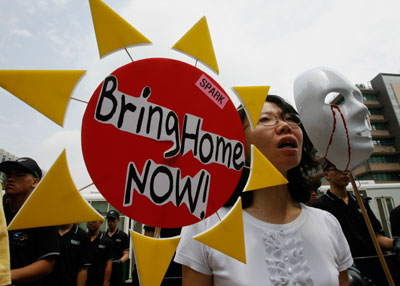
x: 300, y: 182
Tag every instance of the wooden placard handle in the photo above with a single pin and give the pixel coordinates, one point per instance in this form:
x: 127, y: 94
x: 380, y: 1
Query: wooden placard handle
x: 157, y: 232
x: 372, y: 232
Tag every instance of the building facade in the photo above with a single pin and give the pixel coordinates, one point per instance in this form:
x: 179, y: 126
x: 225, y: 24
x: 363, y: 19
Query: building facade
x: 383, y: 101
x: 5, y: 156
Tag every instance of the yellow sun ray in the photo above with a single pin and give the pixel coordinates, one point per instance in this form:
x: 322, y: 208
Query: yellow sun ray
x: 112, y: 31
x: 153, y: 257
x: 55, y: 201
x: 263, y: 173
x: 228, y: 235
x: 197, y: 43
x: 47, y: 91
x: 253, y: 98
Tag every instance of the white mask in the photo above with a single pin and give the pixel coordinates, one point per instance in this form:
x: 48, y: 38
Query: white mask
x: 341, y: 133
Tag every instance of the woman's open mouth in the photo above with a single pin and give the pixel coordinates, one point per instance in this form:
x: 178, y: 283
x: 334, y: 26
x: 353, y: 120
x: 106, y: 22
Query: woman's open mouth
x: 287, y: 143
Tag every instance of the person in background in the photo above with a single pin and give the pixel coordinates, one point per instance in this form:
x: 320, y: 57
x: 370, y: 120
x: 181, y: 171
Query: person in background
x: 313, y: 197
x: 120, y: 247
x: 315, y: 184
x: 5, y: 274
x: 99, y: 272
x: 72, y: 267
x: 345, y: 208
x: 395, y: 221
x: 33, y: 251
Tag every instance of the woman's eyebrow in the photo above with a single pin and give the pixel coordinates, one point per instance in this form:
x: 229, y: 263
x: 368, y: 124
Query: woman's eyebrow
x: 269, y: 112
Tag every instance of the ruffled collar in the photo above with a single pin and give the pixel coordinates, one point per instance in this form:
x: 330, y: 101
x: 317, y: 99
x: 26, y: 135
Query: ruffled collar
x: 284, y: 251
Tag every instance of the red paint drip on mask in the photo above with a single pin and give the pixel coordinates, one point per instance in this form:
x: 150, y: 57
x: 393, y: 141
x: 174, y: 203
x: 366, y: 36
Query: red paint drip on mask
x: 333, y: 131
x: 333, y: 106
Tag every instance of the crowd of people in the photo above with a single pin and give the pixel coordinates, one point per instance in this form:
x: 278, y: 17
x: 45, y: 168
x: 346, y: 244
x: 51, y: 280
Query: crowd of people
x: 291, y: 236
x: 62, y: 255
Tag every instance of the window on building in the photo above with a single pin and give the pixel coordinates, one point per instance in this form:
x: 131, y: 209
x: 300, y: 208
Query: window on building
x: 369, y: 97
x: 383, y: 142
x: 386, y: 176
x: 375, y: 111
x: 379, y: 126
x: 100, y: 206
x: 364, y: 177
x: 383, y: 159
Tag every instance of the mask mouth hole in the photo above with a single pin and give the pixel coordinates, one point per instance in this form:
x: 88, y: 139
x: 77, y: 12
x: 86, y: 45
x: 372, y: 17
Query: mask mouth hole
x: 334, y: 98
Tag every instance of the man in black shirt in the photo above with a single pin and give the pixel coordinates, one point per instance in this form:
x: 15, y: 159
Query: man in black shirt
x: 395, y: 221
x: 71, y: 268
x: 5, y: 273
x: 101, y: 253
x: 120, y: 247
x: 33, y: 251
x: 345, y: 208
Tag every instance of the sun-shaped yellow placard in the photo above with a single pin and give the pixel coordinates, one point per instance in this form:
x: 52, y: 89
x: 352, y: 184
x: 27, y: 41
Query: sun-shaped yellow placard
x: 56, y: 194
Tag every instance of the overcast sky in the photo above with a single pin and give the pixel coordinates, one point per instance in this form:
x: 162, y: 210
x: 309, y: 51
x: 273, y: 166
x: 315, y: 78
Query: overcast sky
x: 263, y: 42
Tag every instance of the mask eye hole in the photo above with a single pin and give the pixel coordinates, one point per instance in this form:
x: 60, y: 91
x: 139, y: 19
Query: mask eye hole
x: 334, y: 98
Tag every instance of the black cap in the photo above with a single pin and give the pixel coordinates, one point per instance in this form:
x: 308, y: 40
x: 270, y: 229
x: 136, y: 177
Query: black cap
x: 113, y: 214
x: 28, y: 164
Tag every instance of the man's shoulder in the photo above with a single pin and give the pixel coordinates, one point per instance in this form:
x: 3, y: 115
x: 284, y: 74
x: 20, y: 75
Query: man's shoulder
x: 49, y: 232
x: 44, y: 231
x: 104, y: 238
x: 79, y: 232
x: 322, y: 202
x: 122, y: 234
x: 395, y: 212
x: 119, y: 234
x: 9, y: 215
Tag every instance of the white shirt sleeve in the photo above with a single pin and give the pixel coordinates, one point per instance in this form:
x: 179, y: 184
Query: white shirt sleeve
x: 343, y: 258
x: 192, y: 253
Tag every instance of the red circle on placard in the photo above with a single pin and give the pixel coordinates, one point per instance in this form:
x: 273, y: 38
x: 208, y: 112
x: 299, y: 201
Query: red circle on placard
x: 124, y: 147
